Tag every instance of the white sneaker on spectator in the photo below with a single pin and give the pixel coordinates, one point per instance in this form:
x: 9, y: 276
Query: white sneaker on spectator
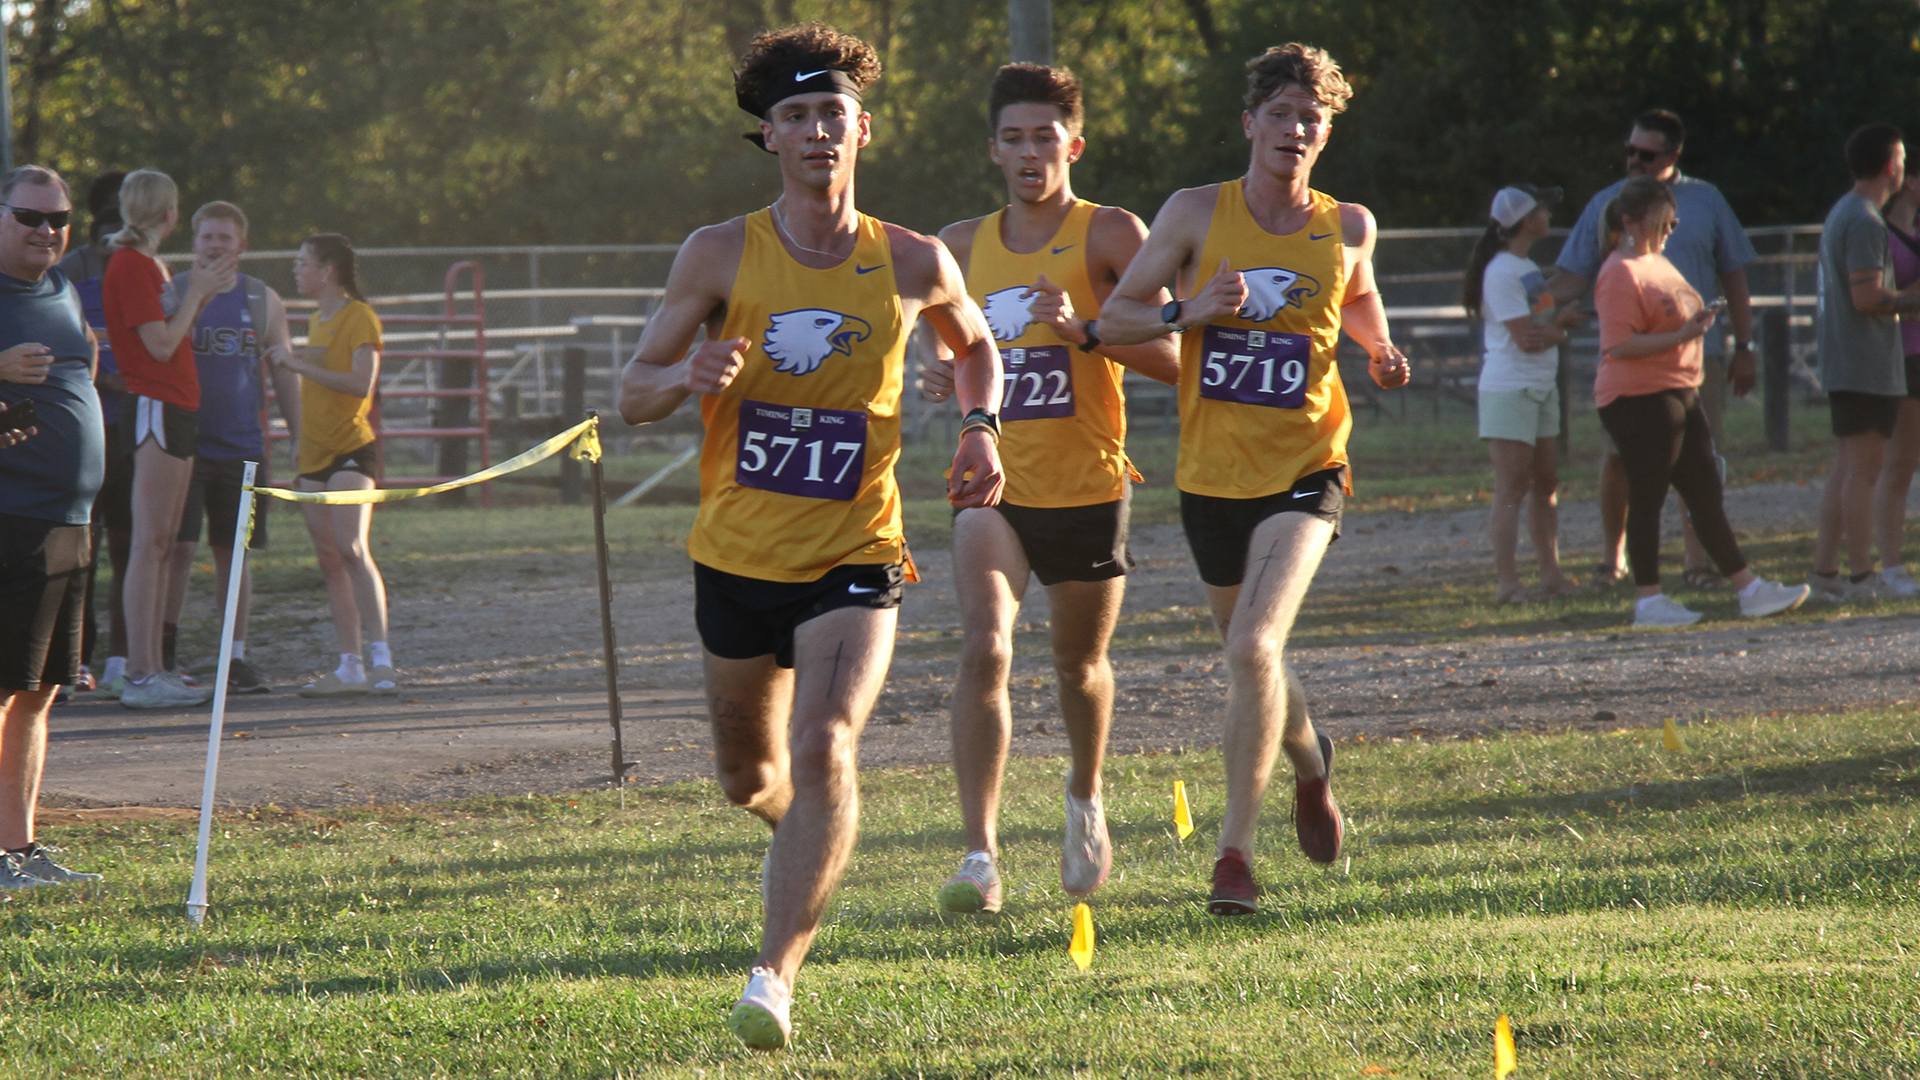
x: 1896, y: 582
x: 1831, y: 587
x: 1660, y: 610
x: 1762, y: 598
x: 163, y: 690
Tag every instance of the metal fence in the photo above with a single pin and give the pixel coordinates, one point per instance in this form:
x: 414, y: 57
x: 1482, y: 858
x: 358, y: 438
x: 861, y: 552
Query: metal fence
x: 543, y: 300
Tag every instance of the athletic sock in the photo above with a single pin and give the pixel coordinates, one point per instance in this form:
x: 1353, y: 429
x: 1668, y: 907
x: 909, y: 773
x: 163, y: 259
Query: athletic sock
x: 350, y: 669
x: 971, y: 855
x: 379, y: 655
x: 116, y: 669
x: 239, y: 650
x: 169, y: 642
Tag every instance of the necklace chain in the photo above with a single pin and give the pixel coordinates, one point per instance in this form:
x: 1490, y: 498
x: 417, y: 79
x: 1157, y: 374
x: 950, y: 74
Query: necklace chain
x: 779, y: 221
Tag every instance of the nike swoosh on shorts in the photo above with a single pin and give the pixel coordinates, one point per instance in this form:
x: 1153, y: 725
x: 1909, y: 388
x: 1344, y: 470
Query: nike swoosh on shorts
x: 857, y: 590
x: 1305, y: 494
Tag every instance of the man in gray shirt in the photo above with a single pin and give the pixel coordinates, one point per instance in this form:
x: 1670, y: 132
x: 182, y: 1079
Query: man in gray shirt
x: 1711, y: 251
x: 1861, y: 363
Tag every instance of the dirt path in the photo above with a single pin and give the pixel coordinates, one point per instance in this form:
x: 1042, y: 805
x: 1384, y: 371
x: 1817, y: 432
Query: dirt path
x: 531, y: 716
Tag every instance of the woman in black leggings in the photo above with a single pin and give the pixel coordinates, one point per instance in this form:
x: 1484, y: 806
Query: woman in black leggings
x: 1651, y: 323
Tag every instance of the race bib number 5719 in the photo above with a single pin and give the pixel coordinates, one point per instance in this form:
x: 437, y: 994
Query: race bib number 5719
x: 1255, y: 367
x: 813, y: 453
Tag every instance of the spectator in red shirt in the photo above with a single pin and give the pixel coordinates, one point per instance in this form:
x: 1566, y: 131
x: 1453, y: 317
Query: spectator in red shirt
x: 154, y: 349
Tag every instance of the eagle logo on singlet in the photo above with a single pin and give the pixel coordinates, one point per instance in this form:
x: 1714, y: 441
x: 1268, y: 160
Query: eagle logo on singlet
x: 1009, y: 313
x: 1271, y: 290
x: 800, y: 341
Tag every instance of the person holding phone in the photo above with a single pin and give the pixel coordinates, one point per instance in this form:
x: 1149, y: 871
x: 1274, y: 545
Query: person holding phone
x: 1647, y: 391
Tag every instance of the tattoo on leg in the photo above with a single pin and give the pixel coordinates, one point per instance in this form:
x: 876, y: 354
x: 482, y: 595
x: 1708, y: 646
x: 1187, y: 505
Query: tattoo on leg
x: 1264, y: 561
x: 833, y: 681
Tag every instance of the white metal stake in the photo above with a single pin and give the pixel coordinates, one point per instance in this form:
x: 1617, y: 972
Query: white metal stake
x: 242, y: 532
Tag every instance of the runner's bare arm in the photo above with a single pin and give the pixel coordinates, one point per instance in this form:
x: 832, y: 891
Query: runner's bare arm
x: 1114, y: 238
x: 929, y: 281
x: 1362, y: 313
x: 286, y: 384
x: 936, y: 362
x: 1131, y: 313
x: 662, y: 373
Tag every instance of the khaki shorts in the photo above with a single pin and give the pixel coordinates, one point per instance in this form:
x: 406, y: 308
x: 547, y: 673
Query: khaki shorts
x: 1526, y: 416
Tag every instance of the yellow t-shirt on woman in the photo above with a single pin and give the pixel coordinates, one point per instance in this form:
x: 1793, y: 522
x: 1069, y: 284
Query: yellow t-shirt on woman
x: 333, y: 423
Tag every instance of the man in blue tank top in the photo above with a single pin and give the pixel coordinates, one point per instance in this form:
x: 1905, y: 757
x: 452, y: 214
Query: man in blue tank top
x: 232, y: 334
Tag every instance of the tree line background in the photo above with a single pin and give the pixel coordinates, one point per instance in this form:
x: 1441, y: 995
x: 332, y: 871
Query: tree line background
x: 404, y: 122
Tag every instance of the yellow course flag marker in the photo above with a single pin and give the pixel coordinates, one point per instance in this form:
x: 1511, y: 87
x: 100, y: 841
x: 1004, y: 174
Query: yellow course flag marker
x: 1503, y: 1062
x: 1082, y: 947
x: 587, y: 432
x: 1670, y: 739
x: 1182, y: 817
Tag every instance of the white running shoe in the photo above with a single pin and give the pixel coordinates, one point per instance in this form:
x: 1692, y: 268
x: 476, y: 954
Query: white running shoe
x: 1897, y: 583
x: 1762, y: 598
x: 39, y: 863
x: 12, y: 877
x: 975, y: 889
x: 1660, y: 610
x: 1087, y: 854
x: 163, y: 690
x: 760, y: 1017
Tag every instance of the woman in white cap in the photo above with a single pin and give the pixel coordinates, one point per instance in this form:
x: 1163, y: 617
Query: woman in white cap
x: 1519, y: 398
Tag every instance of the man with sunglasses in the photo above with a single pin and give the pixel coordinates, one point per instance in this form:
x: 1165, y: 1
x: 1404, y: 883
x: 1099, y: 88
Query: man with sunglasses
x: 1711, y: 250
x: 47, y: 485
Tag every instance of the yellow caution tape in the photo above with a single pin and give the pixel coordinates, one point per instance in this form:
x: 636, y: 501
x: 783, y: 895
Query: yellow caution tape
x: 1081, y: 949
x: 1182, y: 817
x: 585, y: 436
x: 1503, y: 1057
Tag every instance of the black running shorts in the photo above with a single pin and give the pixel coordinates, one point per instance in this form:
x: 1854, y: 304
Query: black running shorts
x: 1856, y: 413
x: 1219, y: 530
x: 43, y: 591
x: 359, y: 460
x: 1073, y: 543
x: 741, y: 618
x: 174, y: 429
x: 1913, y: 376
x: 214, y: 493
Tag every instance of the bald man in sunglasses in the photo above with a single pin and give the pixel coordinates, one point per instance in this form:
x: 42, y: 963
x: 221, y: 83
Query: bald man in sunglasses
x: 1711, y: 250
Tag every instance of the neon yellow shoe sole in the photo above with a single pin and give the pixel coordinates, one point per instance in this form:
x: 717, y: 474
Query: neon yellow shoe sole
x: 756, y: 1026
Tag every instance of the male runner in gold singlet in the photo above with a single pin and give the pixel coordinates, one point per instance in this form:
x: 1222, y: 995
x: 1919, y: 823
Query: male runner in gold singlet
x: 1040, y: 269
x: 1270, y: 272
x: 797, y: 545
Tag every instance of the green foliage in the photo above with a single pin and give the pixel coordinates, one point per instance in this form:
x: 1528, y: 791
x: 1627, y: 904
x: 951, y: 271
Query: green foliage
x: 1745, y: 909
x: 556, y: 121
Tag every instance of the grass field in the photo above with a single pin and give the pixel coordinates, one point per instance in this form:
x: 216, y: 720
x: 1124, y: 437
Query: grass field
x: 1747, y: 908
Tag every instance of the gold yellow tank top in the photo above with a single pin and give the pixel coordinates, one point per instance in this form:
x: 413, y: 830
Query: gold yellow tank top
x: 1063, y: 414
x: 1261, y: 402
x: 796, y: 474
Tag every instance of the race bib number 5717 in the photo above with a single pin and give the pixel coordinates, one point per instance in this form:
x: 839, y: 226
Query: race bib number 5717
x: 1255, y: 367
x: 813, y: 453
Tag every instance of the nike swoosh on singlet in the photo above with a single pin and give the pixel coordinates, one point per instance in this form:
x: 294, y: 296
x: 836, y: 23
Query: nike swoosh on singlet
x: 1318, y: 236
x: 858, y: 269
x: 1058, y: 250
x: 803, y: 76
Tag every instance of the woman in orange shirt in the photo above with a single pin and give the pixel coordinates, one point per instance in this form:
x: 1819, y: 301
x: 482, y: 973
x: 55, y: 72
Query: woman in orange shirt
x: 1651, y: 322
x: 154, y: 349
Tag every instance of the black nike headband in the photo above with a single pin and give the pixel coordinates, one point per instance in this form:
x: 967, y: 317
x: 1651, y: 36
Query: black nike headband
x: 788, y: 84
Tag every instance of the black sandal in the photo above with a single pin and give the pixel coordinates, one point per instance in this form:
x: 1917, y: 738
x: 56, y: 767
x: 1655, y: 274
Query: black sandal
x: 1604, y: 577
x: 1701, y: 577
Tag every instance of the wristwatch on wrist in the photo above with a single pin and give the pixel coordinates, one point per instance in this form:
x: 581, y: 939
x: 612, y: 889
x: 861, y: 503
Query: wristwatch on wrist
x: 983, y: 420
x: 1093, y: 336
x: 1743, y: 346
x: 1170, y: 314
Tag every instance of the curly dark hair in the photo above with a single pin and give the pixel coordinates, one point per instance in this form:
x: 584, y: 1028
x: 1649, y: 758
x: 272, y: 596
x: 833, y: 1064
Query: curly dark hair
x: 1298, y: 65
x: 1021, y: 84
x: 804, y: 47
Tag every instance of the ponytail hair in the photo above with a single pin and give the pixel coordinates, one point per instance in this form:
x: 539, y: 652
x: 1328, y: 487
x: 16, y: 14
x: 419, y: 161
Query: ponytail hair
x: 146, y: 195
x: 1641, y: 194
x: 1490, y: 243
x: 335, y: 250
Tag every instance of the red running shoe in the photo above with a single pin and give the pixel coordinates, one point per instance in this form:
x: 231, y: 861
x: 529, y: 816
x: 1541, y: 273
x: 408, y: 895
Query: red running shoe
x: 1316, y: 817
x: 1234, y: 891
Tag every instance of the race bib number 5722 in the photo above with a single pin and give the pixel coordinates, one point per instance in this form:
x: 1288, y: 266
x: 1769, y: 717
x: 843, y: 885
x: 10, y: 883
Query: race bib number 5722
x: 813, y: 453
x: 1255, y: 367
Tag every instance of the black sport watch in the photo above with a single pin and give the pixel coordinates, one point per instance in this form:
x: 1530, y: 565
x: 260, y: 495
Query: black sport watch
x: 1170, y: 314
x: 1093, y: 336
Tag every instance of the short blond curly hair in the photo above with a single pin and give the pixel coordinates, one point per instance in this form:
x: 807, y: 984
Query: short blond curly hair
x: 1294, y: 64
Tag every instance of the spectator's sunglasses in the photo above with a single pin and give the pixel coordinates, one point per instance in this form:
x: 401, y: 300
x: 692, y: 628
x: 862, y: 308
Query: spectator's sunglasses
x: 33, y: 219
x: 1643, y: 155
